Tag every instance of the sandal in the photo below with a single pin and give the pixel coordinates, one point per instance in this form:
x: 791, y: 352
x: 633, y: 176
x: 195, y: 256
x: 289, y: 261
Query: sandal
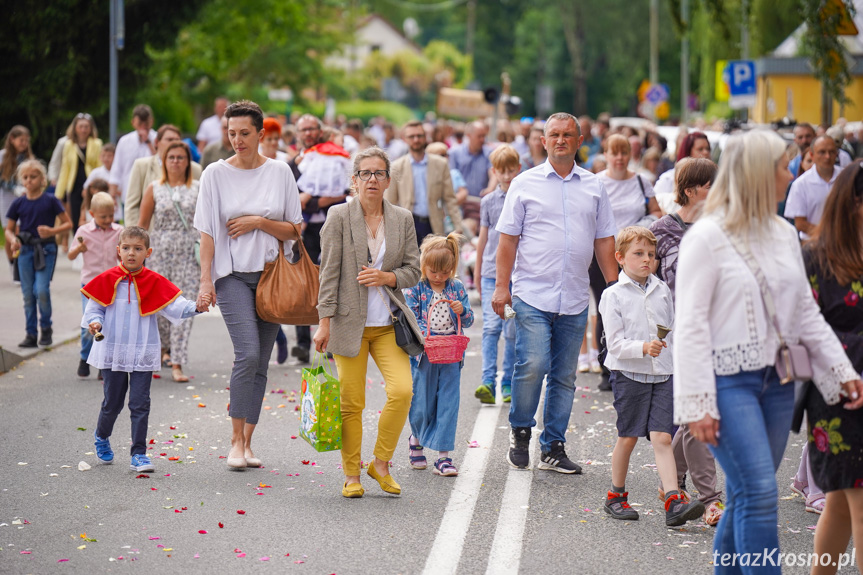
x: 417, y: 461
x: 713, y: 513
x: 799, y: 488
x: 816, y: 505
x: 166, y: 360
x: 444, y: 467
x: 178, y: 375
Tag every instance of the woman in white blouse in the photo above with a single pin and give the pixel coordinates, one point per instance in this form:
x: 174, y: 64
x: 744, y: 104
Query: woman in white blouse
x: 726, y: 386
x: 246, y: 205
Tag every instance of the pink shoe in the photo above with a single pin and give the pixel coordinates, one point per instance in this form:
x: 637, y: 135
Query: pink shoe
x: 799, y: 488
x: 816, y: 505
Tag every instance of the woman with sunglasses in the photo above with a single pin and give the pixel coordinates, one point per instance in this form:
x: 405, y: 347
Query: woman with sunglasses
x: 80, y: 157
x: 834, y: 265
x: 246, y: 205
x: 369, y: 254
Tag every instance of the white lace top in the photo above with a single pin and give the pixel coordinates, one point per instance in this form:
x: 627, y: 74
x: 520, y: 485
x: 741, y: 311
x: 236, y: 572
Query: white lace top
x: 722, y: 326
x: 131, y: 341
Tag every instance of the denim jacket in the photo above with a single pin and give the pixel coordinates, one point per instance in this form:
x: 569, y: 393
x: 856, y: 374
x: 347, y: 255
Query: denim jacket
x: 419, y: 299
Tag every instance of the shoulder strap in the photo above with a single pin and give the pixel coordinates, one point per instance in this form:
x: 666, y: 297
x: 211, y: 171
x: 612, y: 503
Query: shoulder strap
x: 744, y: 252
x: 679, y: 220
x: 641, y: 185
x: 180, y: 213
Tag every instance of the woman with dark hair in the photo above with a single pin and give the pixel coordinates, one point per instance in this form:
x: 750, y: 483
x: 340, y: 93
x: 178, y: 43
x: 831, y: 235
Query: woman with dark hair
x: 694, y: 178
x: 234, y: 250
x: 834, y: 264
x: 80, y: 157
x: 693, y: 145
x: 170, y: 204
x: 15, y: 150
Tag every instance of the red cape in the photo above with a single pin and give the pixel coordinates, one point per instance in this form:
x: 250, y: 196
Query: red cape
x: 329, y: 149
x: 154, y: 291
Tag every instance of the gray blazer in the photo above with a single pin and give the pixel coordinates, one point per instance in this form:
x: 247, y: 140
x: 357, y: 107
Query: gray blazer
x: 344, y: 250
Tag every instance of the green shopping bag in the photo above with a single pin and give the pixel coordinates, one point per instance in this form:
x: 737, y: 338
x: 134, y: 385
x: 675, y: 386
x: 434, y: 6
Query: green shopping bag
x: 321, y: 415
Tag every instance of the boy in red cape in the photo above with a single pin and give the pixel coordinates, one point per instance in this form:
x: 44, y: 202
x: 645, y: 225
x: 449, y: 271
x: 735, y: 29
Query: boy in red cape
x: 124, y: 301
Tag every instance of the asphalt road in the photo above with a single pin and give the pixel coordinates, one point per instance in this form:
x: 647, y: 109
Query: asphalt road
x: 491, y: 519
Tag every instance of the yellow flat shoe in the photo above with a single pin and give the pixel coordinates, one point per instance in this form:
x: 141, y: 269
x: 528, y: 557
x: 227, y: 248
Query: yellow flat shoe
x: 353, y: 490
x: 387, y: 483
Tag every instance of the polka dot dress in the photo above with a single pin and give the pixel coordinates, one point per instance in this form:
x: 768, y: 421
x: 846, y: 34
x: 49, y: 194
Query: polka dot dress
x: 440, y: 320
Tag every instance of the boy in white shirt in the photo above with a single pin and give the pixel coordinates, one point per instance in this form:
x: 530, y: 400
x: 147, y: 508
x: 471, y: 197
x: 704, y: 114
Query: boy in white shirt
x: 633, y: 311
x: 125, y: 301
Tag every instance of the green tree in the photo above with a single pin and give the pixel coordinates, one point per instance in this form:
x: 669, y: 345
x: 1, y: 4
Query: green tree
x: 55, y: 56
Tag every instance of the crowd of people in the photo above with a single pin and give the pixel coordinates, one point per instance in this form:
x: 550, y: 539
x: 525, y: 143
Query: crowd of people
x: 682, y: 271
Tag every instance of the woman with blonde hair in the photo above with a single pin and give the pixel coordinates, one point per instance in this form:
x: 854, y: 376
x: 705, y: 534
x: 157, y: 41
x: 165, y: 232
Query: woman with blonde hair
x: 738, y: 261
x: 169, y: 203
x: 369, y: 254
x: 80, y: 157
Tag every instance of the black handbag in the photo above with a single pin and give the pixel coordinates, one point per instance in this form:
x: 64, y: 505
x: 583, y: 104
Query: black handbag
x: 800, y: 400
x: 405, y: 336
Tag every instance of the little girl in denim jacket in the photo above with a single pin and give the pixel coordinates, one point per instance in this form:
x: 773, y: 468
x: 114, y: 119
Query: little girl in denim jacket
x: 434, y: 409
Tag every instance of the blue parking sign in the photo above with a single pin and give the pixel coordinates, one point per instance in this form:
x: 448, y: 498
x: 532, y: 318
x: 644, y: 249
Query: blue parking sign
x: 741, y: 77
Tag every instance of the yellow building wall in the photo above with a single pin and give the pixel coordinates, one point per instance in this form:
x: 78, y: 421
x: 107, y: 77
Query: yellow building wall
x: 805, y: 92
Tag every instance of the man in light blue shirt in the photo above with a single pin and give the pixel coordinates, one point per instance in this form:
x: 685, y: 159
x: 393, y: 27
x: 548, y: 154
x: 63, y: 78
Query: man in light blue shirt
x: 554, y: 217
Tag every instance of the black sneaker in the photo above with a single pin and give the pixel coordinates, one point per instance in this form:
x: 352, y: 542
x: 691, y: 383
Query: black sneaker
x: 29, y: 341
x: 556, y: 460
x: 281, y: 351
x: 604, y: 383
x: 519, y: 448
x: 47, y: 336
x: 678, y: 511
x: 617, y: 505
x: 300, y: 353
x: 83, y: 368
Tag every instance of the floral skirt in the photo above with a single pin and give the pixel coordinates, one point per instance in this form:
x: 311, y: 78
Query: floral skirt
x: 835, y: 443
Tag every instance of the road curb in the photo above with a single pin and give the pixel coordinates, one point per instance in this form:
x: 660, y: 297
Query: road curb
x: 10, y: 359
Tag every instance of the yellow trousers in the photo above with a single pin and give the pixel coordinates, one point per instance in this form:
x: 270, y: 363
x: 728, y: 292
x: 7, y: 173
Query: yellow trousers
x: 395, y: 366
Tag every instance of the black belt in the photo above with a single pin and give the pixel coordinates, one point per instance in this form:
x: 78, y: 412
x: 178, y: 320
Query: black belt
x: 421, y: 219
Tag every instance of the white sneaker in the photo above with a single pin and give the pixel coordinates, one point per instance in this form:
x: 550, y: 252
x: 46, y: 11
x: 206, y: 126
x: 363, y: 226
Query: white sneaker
x: 583, y: 363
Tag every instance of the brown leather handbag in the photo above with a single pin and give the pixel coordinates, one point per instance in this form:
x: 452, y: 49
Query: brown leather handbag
x: 288, y: 291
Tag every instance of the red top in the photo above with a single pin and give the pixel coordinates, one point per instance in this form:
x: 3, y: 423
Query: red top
x: 154, y: 291
x: 329, y: 149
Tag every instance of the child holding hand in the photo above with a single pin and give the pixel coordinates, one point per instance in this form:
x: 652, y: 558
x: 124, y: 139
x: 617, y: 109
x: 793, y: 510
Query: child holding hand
x: 97, y: 241
x: 30, y: 230
x: 634, y: 311
x: 125, y: 301
x: 434, y: 409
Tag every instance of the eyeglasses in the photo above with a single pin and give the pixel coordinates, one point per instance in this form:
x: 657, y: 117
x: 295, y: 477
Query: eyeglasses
x: 83, y: 116
x: 175, y: 159
x: 316, y: 129
x: 366, y: 175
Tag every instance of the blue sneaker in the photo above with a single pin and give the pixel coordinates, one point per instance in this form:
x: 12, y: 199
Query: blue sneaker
x: 506, y: 392
x: 103, y: 450
x: 141, y: 463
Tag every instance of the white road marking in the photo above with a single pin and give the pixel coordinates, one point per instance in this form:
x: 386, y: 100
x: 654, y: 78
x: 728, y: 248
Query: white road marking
x: 446, y: 550
x: 505, y: 555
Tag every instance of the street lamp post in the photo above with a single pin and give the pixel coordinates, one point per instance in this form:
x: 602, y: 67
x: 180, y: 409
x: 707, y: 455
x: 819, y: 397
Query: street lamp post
x: 117, y: 38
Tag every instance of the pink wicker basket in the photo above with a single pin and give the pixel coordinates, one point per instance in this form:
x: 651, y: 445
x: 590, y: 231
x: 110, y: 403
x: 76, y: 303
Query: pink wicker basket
x: 445, y: 348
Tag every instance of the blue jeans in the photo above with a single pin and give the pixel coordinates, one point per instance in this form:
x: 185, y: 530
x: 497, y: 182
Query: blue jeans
x: 756, y: 418
x: 115, y: 384
x: 35, y: 285
x: 545, y: 343
x: 86, y: 337
x: 434, y: 408
x: 492, y: 326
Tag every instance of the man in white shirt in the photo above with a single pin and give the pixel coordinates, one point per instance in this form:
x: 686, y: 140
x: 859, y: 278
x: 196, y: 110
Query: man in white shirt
x: 809, y: 192
x: 555, y: 216
x: 210, y: 129
x: 147, y: 170
x: 421, y: 183
x: 134, y: 145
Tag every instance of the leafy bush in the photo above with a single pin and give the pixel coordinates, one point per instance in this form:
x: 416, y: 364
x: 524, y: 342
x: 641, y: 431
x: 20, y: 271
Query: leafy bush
x: 364, y: 110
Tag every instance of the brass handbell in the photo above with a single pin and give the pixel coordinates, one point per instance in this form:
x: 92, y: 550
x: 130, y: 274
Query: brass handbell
x: 662, y: 331
x: 98, y: 336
